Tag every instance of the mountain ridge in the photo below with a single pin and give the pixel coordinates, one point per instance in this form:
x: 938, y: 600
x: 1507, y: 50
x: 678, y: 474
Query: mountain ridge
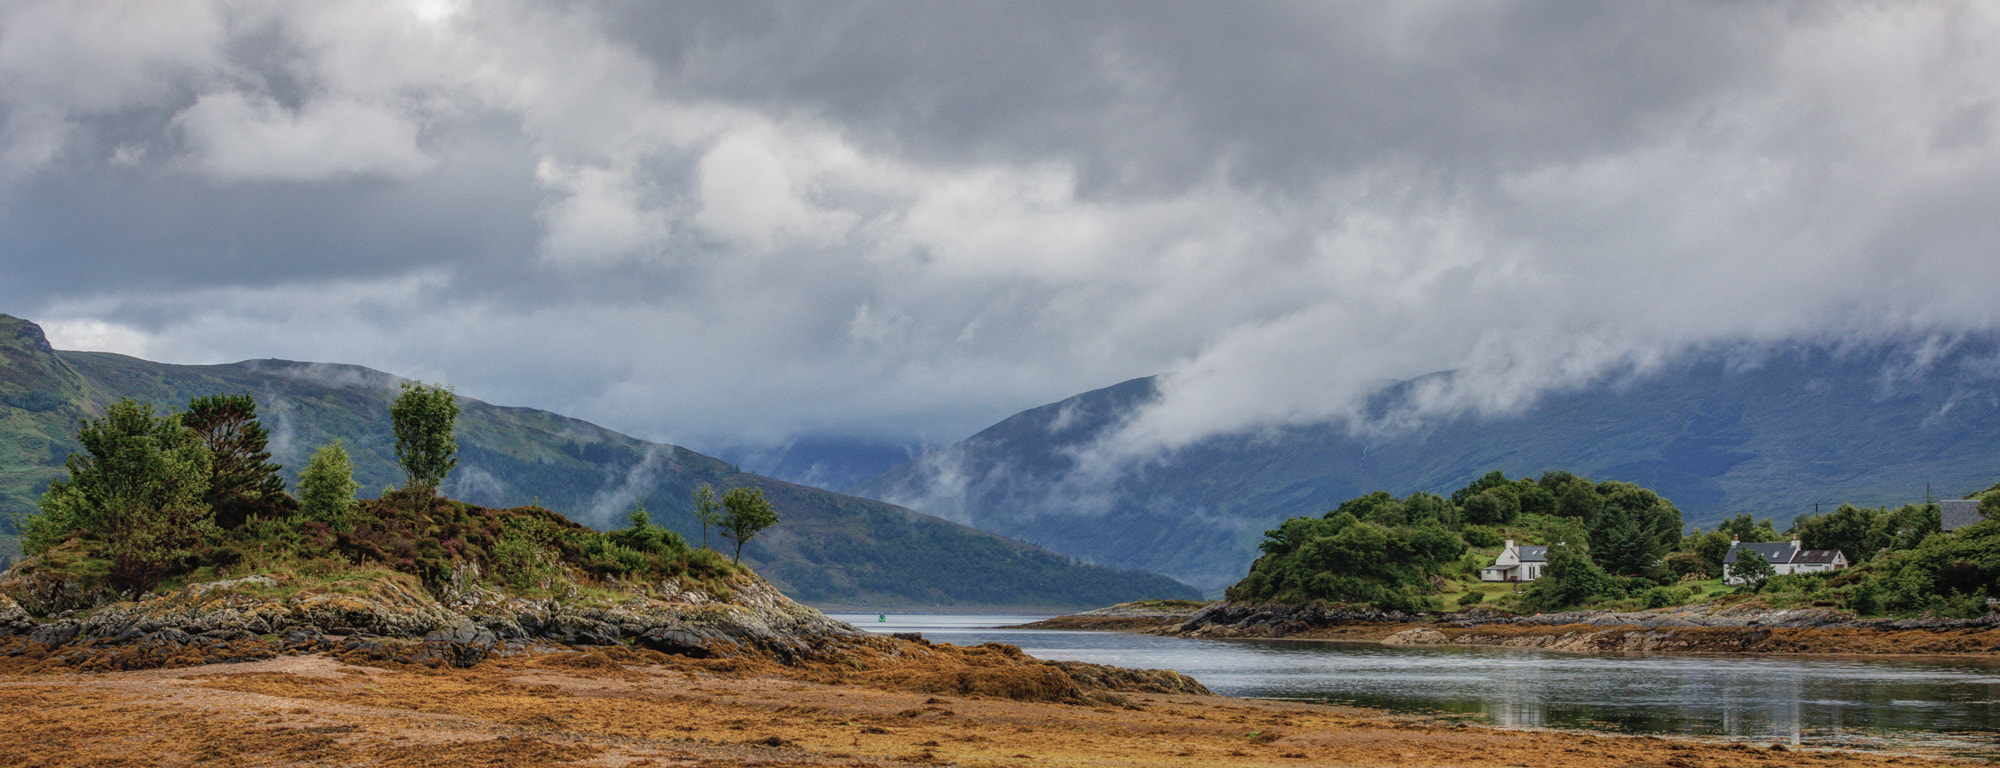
x: 1718, y: 432
x: 831, y: 548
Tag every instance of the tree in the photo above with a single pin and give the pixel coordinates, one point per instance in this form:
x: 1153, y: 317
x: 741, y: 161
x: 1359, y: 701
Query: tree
x: 1570, y: 578
x: 136, y: 489
x: 707, y: 509
x: 1752, y: 569
x: 1494, y: 479
x: 326, y: 487
x: 1493, y: 506
x: 242, y: 480
x: 1743, y: 529
x: 426, y: 444
x: 1634, y: 528
x: 1577, y: 498
x: 745, y: 514
x: 1712, y: 547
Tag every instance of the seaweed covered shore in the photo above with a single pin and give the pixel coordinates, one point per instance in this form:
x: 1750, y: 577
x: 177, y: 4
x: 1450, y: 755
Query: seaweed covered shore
x: 1690, y: 629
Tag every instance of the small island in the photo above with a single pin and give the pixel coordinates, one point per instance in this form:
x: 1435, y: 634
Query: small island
x: 1610, y: 571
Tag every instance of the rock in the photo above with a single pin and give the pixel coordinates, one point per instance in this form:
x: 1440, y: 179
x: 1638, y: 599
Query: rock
x: 675, y: 641
x: 460, y: 647
x: 1417, y: 636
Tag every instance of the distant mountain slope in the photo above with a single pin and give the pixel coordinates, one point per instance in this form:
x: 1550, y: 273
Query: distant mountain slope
x: 830, y: 549
x: 1715, y: 435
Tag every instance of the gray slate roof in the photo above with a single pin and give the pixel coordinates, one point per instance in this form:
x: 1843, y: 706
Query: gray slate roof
x: 1533, y: 553
x: 1780, y: 552
x: 1777, y: 552
x: 1959, y: 513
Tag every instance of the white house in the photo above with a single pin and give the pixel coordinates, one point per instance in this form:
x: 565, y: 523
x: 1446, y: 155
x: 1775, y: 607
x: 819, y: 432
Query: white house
x: 1516, y: 563
x: 1785, y: 557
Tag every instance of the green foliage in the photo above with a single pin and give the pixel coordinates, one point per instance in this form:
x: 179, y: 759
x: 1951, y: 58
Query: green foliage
x: 524, y: 556
x: 1380, y: 550
x: 1752, y: 569
x: 1743, y: 529
x: 1491, y: 480
x: 643, y: 536
x: 1634, y: 528
x: 1342, y: 559
x: 1665, y: 597
x: 1686, y: 565
x: 1494, y: 506
x: 1571, y: 578
x: 745, y: 514
x: 1711, y: 547
x: 707, y: 510
x: 326, y: 487
x: 135, y: 493
x: 426, y: 441
x: 1863, y: 533
x: 1471, y: 598
x: 243, y: 483
x: 1577, y: 499
x: 1481, y: 536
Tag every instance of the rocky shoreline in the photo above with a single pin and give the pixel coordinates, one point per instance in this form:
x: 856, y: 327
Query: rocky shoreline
x: 1698, y: 629
x: 393, y: 619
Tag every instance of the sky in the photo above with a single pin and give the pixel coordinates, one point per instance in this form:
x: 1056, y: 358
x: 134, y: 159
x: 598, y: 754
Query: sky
x: 743, y: 223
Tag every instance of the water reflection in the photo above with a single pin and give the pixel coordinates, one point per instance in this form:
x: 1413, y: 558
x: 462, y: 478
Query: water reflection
x: 1952, y: 704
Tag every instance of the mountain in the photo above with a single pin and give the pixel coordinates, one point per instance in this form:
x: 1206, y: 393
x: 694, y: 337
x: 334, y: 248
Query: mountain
x: 830, y: 549
x: 822, y: 461
x: 1772, y: 431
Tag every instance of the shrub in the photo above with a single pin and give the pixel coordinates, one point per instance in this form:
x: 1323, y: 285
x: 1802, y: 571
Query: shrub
x: 1481, y: 536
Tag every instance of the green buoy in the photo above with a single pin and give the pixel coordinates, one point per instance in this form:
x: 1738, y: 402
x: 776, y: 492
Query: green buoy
x: 882, y: 617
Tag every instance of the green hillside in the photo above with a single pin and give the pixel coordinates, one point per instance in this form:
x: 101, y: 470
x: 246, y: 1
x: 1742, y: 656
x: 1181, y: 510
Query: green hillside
x: 830, y: 549
x: 1789, y: 428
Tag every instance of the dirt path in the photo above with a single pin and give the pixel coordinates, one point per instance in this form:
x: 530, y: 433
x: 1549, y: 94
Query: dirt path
x: 591, y: 709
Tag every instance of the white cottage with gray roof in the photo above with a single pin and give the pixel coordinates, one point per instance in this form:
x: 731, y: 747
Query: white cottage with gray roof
x: 1785, y: 557
x: 1523, y: 563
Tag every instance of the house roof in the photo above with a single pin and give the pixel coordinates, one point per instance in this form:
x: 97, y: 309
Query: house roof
x: 1958, y: 513
x: 1533, y: 553
x: 1817, y: 556
x: 1781, y: 552
x: 1776, y: 552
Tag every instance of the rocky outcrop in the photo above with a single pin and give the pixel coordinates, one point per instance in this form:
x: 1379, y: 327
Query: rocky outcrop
x: 1124, y: 617
x: 1232, y: 619
x: 394, y: 617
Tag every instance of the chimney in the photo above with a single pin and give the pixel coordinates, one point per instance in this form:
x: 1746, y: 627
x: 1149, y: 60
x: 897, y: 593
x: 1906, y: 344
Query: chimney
x: 1735, y: 539
x: 1510, y: 543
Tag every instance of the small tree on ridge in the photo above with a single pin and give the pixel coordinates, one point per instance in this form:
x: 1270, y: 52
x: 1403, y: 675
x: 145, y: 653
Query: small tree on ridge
x: 745, y: 514
x: 426, y: 444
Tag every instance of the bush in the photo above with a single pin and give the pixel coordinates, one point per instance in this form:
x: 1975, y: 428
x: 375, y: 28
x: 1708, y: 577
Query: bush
x: 1472, y: 598
x: 1481, y: 536
x: 1663, y: 597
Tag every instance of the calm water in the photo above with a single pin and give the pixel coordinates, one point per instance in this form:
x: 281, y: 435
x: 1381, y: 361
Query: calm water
x: 1946, y: 704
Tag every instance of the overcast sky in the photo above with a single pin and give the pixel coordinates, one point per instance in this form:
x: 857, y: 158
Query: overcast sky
x: 731, y: 223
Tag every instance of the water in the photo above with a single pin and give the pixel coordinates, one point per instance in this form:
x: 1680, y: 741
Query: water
x: 1951, y: 705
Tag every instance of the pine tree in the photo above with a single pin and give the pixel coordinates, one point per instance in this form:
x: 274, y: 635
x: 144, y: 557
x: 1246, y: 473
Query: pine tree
x: 243, y: 483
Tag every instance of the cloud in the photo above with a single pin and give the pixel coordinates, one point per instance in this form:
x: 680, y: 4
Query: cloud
x: 741, y: 224
x: 236, y: 137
